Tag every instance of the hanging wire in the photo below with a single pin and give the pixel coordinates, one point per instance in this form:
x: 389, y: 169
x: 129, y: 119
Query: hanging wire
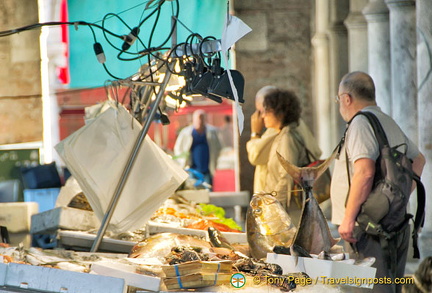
x: 128, y: 9
x: 54, y: 23
x: 154, y: 7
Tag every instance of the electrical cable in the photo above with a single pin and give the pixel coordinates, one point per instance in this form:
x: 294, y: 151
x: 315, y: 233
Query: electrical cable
x: 148, y: 51
x: 126, y: 10
x: 179, y: 21
x: 172, y: 27
x: 52, y: 23
x: 151, y: 48
x: 128, y: 39
x: 104, y: 33
x: 153, y: 12
x: 100, y: 55
x: 203, y: 54
x: 154, y: 27
x: 109, y: 73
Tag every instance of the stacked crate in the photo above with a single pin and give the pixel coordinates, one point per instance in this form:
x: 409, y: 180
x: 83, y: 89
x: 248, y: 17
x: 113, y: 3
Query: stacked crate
x: 197, y: 274
x: 16, y: 217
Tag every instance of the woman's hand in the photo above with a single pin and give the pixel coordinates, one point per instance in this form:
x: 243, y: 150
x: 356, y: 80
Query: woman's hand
x: 257, y: 123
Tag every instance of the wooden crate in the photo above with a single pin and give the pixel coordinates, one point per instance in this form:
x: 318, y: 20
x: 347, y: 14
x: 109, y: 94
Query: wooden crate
x: 193, y: 267
x: 197, y: 280
x: 197, y: 274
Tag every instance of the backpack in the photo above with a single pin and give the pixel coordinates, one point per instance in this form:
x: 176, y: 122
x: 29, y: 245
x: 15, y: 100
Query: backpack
x: 384, y: 212
x: 321, y: 186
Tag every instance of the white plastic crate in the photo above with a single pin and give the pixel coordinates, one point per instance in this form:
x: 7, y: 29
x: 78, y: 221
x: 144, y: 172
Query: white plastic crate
x: 323, y: 270
x: 46, y: 197
x: 16, y: 216
x: 46, y: 279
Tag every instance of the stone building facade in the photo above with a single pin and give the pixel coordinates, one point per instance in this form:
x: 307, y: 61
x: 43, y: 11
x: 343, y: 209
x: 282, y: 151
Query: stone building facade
x: 20, y: 75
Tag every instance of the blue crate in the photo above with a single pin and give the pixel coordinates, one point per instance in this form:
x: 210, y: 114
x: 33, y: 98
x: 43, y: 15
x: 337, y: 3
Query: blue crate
x: 45, y: 197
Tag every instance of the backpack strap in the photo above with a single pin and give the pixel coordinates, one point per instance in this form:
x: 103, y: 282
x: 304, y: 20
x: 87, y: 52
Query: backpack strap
x: 379, y: 134
x: 420, y: 214
x: 377, y: 127
x: 421, y: 193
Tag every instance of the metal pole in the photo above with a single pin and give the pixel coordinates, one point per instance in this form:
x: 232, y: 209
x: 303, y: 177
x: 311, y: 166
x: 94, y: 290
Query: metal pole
x: 130, y: 162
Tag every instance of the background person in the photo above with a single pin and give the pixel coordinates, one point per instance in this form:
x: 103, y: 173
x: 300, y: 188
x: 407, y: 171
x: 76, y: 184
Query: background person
x: 257, y: 147
x: 227, y: 132
x: 200, y: 146
x: 267, y: 135
x: 357, y: 92
x: 279, y: 111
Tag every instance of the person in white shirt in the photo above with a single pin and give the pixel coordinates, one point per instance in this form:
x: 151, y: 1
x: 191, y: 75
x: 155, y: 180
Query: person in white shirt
x: 199, y: 145
x: 357, y: 93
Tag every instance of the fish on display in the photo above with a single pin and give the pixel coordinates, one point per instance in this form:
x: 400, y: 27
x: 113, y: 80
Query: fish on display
x: 268, y: 225
x: 313, y: 233
x: 160, y: 245
x: 219, y: 241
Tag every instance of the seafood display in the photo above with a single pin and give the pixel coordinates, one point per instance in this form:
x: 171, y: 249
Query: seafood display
x: 59, y: 259
x: 196, y: 257
x: 268, y: 225
x: 270, y: 229
x: 172, y: 248
x: 160, y: 245
x: 179, y: 212
x: 313, y: 234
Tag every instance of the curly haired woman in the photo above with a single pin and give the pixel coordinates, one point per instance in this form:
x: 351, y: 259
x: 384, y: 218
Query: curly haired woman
x: 279, y: 111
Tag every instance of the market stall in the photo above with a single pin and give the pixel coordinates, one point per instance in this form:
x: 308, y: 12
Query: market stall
x: 184, y: 245
x: 123, y: 224
x: 126, y: 200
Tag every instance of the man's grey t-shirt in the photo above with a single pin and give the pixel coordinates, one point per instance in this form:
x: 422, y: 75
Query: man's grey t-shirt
x: 361, y: 143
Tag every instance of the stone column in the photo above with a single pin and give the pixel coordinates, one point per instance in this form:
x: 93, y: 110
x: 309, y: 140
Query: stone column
x: 321, y: 95
x: 338, y: 42
x: 377, y: 16
x: 51, y: 57
x: 403, y: 65
x: 357, y: 36
x: 424, y: 82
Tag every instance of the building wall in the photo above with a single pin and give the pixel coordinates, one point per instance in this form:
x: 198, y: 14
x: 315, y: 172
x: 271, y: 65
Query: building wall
x: 277, y: 52
x: 20, y: 81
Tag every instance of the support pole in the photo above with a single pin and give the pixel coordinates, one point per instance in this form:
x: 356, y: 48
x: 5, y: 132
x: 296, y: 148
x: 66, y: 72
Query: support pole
x: 114, y: 200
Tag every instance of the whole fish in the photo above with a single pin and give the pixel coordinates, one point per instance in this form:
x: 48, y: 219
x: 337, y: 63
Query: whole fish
x: 313, y: 233
x: 268, y: 225
x: 160, y: 245
x: 218, y: 240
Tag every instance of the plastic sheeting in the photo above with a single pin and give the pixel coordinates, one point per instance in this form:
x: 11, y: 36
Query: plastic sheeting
x: 96, y: 156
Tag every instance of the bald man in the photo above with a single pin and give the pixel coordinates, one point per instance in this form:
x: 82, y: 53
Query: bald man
x: 357, y: 93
